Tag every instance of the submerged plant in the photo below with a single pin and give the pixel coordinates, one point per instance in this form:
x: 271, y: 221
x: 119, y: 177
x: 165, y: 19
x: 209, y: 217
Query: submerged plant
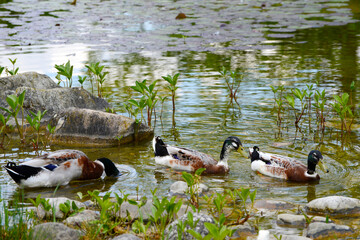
x: 65, y: 70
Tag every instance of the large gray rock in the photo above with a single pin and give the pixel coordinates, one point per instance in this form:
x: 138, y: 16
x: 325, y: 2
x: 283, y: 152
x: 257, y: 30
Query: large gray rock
x: 334, y: 205
x: 42, y: 93
x: 327, y: 230
x: 82, y: 217
x: 85, y: 127
x: 55, y: 231
x: 55, y: 203
x: 293, y: 220
x: 132, y: 211
x: 243, y: 230
x: 171, y: 232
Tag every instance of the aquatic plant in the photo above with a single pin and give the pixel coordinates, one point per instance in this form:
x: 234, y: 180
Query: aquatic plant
x: 279, y: 101
x: 233, y: 80
x: 291, y: 101
x: 1, y: 69
x: 342, y: 107
x: 172, y: 80
x: 16, y: 104
x: 148, y: 98
x: 162, y: 99
x: 97, y: 72
x: 81, y: 80
x: 4, y: 121
x: 193, y: 182
x: 65, y: 70
x: 35, y: 123
x: 320, y: 103
x: 14, y: 70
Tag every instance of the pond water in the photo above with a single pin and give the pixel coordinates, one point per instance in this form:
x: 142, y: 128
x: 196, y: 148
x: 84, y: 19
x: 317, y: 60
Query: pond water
x: 314, y: 43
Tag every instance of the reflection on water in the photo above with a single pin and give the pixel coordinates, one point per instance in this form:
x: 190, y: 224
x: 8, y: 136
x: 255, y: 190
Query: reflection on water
x: 326, y: 55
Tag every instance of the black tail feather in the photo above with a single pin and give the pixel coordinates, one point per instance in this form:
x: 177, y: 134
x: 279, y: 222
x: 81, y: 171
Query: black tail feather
x: 21, y: 172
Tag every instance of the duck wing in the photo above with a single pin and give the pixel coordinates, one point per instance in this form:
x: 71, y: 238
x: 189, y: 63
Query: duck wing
x: 55, y: 158
x: 185, y: 154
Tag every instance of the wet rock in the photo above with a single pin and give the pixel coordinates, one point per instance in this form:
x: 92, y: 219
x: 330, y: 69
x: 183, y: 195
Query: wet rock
x: 180, y: 16
x: 293, y: 237
x: 243, y: 230
x: 82, y: 217
x: 297, y: 220
x: 132, y: 211
x: 55, y: 203
x: 335, y: 206
x: 55, y: 231
x: 327, y: 230
x: 273, y: 205
x: 171, y: 230
x: 126, y: 237
x: 85, y: 127
x: 180, y: 187
x: 42, y: 93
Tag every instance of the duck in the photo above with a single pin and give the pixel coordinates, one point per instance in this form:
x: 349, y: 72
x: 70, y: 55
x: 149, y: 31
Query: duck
x: 287, y: 168
x: 59, y: 168
x: 184, y: 159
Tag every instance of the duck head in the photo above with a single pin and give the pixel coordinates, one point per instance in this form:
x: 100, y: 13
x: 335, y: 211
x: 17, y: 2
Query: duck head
x: 109, y: 167
x: 314, y: 159
x: 232, y: 144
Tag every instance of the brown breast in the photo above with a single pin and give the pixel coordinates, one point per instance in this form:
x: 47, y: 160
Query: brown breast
x: 90, y: 169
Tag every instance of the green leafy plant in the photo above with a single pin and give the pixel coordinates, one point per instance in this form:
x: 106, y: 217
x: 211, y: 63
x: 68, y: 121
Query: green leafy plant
x: 233, y: 80
x: 343, y: 108
x: 70, y: 208
x: 303, y: 104
x: 16, y: 104
x: 193, y: 182
x: 1, y: 69
x: 81, y: 80
x: 97, y: 71
x: 14, y: 70
x: 65, y: 70
x: 148, y: 99
x: 320, y: 103
x: 4, y: 121
x: 35, y: 123
x: 279, y: 101
x: 172, y: 80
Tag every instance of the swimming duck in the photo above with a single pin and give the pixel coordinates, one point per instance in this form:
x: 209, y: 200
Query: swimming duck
x: 189, y: 160
x: 59, y: 168
x: 285, y: 167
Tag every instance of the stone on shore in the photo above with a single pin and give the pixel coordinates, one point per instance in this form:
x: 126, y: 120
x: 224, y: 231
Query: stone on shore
x: 243, y: 230
x: 85, y: 127
x: 334, y: 206
x: 293, y: 220
x: 327, y: 230
x: 126, y: 236
x: 80, y: 218
x: 55, y: 231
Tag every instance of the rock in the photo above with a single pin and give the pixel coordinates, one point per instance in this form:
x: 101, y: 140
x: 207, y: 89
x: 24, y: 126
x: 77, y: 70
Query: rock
x: 133, y: 211
x: 42, y: 93
x: 334, y: 206
x: 180, y: 187
x: 327, y: 230
x: 82, y: 217
x: 54, y: 203
x: 243, y: 230
x: 171, y: 230
x: 293, y: 220
x: 55, y: 231
x: 273, y: 205
x: 263, y: 235
x: 126, y: 237
x: 293, y: 237
x: 85, y: 127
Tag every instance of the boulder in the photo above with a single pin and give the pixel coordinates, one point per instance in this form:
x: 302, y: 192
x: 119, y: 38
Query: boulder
x: 293, y: 220
x: 55, y: 203
x: 243, y: 230
x: 171, y: 232
x: 80, y: 218
x: 334, y: 206
x: 42, y: 93
x: 132, y: 211
x: 293, y: 237
x: 273, y: 204
x: 85, y: 127
x: 327, y: 230
x: 55, y: 231
x: 180, y: 187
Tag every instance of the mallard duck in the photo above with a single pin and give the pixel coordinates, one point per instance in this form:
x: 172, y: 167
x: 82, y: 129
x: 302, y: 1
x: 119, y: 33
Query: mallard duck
x: 285, y: 167
x: 59, y: 168
x: 184, y: 159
